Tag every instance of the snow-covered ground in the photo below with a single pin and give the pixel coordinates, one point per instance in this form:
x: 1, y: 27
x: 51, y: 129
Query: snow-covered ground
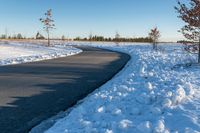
x: 16, y: 53
x: 150, y: 95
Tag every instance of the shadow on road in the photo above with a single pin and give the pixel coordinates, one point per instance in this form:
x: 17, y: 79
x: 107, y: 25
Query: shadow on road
x: 32, y: 92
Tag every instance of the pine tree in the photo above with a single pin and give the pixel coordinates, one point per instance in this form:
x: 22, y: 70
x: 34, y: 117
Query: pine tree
x: 19, y: 36
x: 190, y: 14
x: 48, y: 23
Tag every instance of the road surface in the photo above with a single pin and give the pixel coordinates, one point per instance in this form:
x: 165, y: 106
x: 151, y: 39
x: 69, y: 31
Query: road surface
x: 33, y: 92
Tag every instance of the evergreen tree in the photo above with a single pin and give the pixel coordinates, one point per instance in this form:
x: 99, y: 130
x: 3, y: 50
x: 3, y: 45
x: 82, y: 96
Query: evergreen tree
x: 19, y: 36
x: 3, y: 36
x: 39, y: 36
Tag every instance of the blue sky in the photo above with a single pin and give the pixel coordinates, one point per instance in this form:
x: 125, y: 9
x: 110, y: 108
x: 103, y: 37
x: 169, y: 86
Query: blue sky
x: 131, y: 18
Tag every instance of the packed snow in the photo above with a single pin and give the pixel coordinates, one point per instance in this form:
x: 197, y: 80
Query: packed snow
x: 16, y: 53
x: 154, y: 93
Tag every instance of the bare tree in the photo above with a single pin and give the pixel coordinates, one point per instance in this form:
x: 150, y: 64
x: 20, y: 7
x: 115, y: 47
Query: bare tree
x: 154, y: 35
x: 48, y: 23
x: 190, y: 14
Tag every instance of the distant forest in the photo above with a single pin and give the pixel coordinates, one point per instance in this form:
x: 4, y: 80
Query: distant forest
x: 121, y: 39
x: 91, y: 38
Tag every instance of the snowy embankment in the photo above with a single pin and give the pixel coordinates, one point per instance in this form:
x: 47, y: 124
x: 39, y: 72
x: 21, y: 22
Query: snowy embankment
x: 148, y: 95
x: 16, y: 53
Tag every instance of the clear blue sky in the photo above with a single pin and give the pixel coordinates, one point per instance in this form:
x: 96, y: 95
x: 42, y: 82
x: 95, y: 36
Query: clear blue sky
x: 131, y: 18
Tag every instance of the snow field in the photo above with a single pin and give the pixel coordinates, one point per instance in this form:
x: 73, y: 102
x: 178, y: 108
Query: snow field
x: 149, y: 95
x: 16, y: 53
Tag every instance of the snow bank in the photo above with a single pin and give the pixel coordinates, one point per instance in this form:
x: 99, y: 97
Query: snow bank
x: 149, y: 95
x: 16, y: 53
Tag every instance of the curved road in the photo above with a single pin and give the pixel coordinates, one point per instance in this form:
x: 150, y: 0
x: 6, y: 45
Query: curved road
x: 32, y: 92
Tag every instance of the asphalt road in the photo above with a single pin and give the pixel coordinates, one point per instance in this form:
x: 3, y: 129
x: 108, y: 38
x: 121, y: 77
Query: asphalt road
x: 33, y: 92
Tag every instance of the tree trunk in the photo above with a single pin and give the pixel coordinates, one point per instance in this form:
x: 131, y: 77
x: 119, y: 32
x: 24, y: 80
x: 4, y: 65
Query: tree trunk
x: 154, y: 45
x: 48, y: 39
x: 199, y: 52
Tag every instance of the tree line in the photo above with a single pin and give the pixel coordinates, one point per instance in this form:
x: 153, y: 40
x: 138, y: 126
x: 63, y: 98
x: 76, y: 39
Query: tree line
x: 91, y: 38
x: 109, y: 39
x: 15, y: 36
